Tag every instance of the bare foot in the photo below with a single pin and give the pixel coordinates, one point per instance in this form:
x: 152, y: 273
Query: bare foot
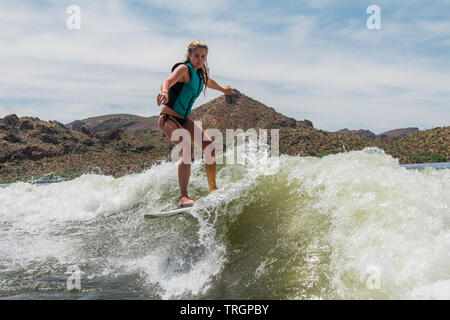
x: 185, y: 201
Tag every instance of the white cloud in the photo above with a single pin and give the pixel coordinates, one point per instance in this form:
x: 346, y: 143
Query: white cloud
x: 328, y: 75
x: 198, y: 7
x: 318, y: 4
x: 435, y: 28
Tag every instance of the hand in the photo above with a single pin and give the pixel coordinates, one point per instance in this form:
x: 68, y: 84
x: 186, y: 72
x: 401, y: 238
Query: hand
x: 228, y: 90
x: 162, y: 98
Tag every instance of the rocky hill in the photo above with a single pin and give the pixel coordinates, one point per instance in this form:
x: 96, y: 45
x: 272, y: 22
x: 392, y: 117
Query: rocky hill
x: 30, y: 147
x: 120, y: 144
x: 240, y: 111
x: 133, y: 124
x: 396, y: 133
x: 361, y: 132
x: 391, y: 134
x: 431, y: 145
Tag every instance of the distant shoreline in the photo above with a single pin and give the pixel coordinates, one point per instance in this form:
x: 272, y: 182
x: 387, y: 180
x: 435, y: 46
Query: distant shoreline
x: 409, y: 166
x: 421, y: 166
x: 118, y: 145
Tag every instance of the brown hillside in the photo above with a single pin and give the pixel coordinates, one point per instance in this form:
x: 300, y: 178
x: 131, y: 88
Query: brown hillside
x: 431, y: 145
x: 133, y: 124
x: 119, y: 144
x: 30, y: 147
x: 240, y: 111
x: 396, y: 133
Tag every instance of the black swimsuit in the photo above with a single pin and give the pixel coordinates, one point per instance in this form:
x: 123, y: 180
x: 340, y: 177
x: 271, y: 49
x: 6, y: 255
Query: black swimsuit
x: 177, y: 120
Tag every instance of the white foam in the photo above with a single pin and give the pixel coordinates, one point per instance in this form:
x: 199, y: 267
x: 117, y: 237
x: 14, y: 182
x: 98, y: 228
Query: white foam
x: 384, y: 217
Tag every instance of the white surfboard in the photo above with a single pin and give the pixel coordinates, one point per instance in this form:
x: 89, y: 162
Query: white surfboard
x: 166, y: 213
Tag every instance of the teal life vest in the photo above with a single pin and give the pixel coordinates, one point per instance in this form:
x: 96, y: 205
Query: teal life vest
x: 182, y: 95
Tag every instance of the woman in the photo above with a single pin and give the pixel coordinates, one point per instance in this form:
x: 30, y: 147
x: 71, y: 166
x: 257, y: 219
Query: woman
x: 178, y: 94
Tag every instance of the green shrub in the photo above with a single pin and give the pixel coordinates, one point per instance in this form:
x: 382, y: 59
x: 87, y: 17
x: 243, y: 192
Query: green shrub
x: 420, y: 158
x: 322, y: 154
x: 436, y: 157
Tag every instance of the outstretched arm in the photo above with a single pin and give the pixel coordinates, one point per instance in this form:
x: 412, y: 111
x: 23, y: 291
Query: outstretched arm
x: 213, y: 85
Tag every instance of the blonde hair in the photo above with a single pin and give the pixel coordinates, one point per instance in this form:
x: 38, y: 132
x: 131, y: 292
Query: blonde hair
x: 204, y: 69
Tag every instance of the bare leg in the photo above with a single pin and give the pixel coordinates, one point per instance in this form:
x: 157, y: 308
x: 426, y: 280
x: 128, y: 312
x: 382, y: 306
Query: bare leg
x: 184, y: 173
x: 184, y: 169
x: 209, y: 153
x: 211, y: 171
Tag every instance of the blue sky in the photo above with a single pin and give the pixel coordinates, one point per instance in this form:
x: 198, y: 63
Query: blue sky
x: 313, y: 59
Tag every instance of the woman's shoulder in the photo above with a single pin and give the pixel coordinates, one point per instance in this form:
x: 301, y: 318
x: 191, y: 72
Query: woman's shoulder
x: 183, y: 64
x: 183, y: 67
